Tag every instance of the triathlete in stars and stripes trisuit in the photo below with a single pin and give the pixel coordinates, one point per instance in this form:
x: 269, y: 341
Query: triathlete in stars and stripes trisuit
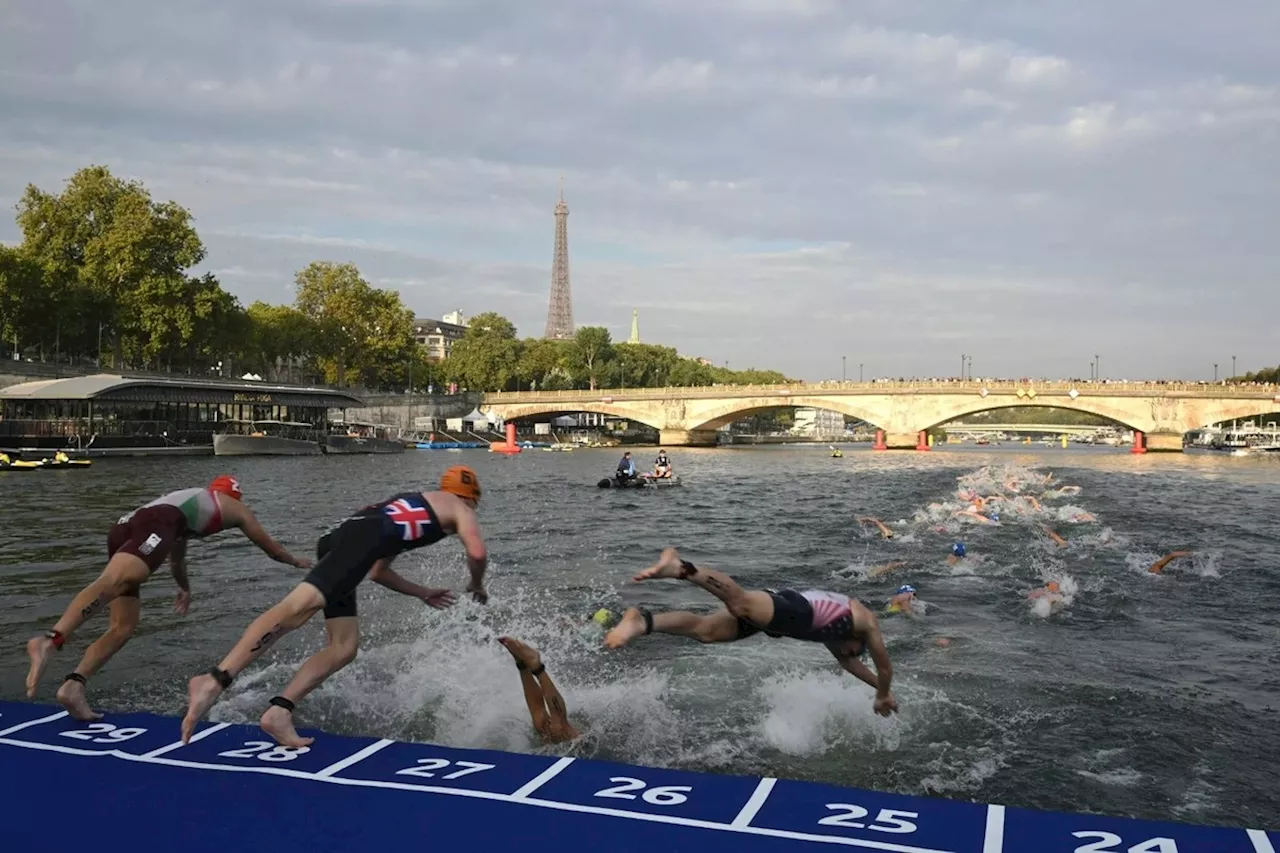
x: 362, y: 545
x: 845, y: 626
x: 137, y: 545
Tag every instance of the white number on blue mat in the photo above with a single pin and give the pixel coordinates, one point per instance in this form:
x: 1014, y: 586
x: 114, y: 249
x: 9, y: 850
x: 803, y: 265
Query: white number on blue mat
x: 272, y: 753
x: 110, y: 734
x: 891, y: 817
x: 1107, y: 842
x: 661, y: 795
x: 429, y: 766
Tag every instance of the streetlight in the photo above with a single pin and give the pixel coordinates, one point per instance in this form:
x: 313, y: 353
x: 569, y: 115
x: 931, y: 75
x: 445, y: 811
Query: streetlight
x: 1097, y: 367
x: 1233, y: 367
x: 962, y: 358
x: 844, y: 376
x: 970, y: 366
x: 859, y: 371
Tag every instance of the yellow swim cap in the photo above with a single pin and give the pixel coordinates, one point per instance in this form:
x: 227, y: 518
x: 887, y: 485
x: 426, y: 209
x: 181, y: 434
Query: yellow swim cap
x: 601, y: 616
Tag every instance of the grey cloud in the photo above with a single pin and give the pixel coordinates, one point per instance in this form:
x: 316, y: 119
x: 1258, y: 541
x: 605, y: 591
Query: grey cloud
x: 1025, y: 180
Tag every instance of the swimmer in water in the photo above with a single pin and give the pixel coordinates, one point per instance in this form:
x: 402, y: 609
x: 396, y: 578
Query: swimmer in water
x: 1158, y: 566
x: 885, y: 568
x: 547, y: 710
x: 846, y: 627
x: 903, y: 602
x: 957, y: 554
x: 137, y: 546
x: 1049, y: 590
x: 1052, y: 534
x: 885, y: 532
x: 363, y: 544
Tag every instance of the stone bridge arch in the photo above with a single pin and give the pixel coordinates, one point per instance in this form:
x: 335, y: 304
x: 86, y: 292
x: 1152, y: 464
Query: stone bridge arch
x: 1116, y: 414
x: 614, y: 410
x: 714, y: 415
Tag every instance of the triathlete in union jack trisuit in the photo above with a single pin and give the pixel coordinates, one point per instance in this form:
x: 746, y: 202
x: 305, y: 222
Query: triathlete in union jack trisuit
x: 366, y: 543
x: 137, y: 545
x: 846, y: 627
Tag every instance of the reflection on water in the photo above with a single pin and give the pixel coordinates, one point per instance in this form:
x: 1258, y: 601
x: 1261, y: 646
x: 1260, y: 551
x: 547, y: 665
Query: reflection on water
x: 1152, y: 695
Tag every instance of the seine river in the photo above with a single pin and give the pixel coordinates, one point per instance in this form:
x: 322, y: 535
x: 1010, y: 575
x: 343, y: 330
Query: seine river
x: 1147, y: 695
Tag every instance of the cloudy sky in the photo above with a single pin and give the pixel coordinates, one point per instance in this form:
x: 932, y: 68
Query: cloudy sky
x: 773, y: 183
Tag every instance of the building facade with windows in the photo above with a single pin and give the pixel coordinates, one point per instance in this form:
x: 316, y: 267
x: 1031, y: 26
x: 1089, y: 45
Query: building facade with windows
x: 438, y: 336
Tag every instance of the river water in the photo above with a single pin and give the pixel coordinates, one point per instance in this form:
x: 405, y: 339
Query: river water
x: 1147, y: 695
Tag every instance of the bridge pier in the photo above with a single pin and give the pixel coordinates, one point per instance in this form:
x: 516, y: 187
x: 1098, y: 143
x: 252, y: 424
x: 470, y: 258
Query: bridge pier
x: 900, y: 440
x: 1163, y: 442
x: 687, y: 437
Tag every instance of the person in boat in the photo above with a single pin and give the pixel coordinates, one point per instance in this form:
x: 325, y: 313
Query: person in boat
x: 137, y: 545
x: 846, y: 627
x: 362, y: 545
x: 547, y: 709
x: 626, y: 468
x: 662, y: 466
x: 4, y: 458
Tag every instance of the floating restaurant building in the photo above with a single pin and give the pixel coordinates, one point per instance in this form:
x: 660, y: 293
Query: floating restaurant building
x: 118, y: 415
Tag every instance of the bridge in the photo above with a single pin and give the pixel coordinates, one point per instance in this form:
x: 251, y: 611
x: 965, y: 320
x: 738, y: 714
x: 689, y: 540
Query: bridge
x: 1159, y: 413
x: 1048, y: 429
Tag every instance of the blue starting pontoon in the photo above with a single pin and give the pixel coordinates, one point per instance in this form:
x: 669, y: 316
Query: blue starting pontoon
x: 128, y: 783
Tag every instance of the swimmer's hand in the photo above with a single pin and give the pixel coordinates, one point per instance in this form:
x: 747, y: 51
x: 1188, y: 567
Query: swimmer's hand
x: 182, y: 602
x: 478, y: 593
x: 886, y: 705
x: 438, y: 598
x: 301, y: 562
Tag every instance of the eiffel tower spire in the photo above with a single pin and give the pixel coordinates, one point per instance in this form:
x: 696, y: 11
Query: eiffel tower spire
x: 560, y: 306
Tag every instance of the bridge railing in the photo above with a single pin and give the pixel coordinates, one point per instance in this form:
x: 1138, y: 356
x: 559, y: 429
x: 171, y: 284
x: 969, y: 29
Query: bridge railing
x: 938, y: 386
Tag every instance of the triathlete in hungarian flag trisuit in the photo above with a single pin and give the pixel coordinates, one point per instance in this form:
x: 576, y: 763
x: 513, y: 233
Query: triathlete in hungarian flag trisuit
x: 364, y: 544
x: 137, y: 545
x: 846, y: 627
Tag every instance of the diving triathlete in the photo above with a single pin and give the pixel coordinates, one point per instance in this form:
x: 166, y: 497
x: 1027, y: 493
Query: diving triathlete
x: 365, y: 543
x: 137, y: 545
x: 547, y: 710
x: 846, y: 627
x: 662, y: 466
x: 1158, y: 566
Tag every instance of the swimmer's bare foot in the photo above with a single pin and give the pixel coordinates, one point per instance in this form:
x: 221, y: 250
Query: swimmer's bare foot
x: 278, y: 723
x: 202, y: 692
x: 71, y: 696
x: 38, y: 649
x: 668, y: 566
x: 631, y: 626
x: 523, y: 653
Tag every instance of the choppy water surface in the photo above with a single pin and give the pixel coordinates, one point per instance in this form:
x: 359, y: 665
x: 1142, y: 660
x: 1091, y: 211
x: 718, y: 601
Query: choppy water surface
x: 1147, y: 695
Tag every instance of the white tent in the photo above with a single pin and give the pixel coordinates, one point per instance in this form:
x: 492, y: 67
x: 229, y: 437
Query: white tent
x: 477, y: 417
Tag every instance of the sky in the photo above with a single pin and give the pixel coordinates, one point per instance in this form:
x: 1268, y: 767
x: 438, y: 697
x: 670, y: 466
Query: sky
x: 820, y: 187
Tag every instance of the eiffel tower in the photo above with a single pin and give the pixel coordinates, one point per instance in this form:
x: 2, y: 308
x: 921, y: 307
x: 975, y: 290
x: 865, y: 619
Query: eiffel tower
x: 560, y: 307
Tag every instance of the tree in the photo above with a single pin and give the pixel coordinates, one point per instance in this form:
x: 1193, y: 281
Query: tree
x: 24, y: 298
x: 644, y: 365
x: 544, y: 363
x: 354, y: 325
x: 592, y: 348
x: 100, y: 241
x: 487, y: 357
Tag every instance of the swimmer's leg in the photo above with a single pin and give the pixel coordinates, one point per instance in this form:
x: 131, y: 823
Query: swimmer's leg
x: 343, y: 645
x: 719, y: 627
x: 293, y: 611
x: 123, y: 572
x: 755, y: 606
x: 125, y: 611
x: 547, y: 709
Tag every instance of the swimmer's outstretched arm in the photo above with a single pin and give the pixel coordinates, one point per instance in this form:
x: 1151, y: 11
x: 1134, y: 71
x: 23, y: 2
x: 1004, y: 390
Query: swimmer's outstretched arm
x: 884, y: 529
x: 382, y: 574
x: 1055, y: 537
x: 885, y: 568
x: 1158, y: 565
x: 856, y: 668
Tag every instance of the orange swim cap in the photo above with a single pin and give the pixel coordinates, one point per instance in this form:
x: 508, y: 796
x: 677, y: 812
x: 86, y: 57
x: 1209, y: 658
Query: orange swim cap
x: 1052, y: 586
x: 228, y: 485
x: 461, y: 481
